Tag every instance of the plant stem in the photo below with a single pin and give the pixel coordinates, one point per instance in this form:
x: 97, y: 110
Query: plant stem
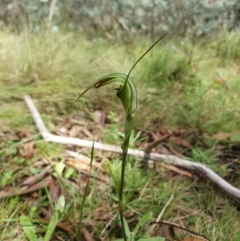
x: 124, y: 161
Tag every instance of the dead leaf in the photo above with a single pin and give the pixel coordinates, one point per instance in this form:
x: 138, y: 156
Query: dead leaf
x: 99, y: 117
x: 33, y: 179
x: 17, y: 191
x: 78, y: 165
x: 78, y: 122
x: 23, y: 133
x: 75, y: 131
x: 177, y: 170
x: 28, y: 150
x: 86, y: 235
x: 177, y: 87
x: 162, y: 230
x: 172, y: 150
x: 154, y: 136
x: 180, y: 142
x: 221, y: 136
x: 44, y: 183
x: 54, y: 192
x: 81, y: 158
x: 88, y: 134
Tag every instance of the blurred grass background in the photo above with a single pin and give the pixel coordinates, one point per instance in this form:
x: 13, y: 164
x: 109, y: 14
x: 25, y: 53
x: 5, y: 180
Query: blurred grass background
x: 53, y: 50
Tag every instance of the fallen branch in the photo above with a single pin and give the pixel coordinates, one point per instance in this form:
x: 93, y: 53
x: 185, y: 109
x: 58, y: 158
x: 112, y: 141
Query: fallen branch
x: 198, y: 168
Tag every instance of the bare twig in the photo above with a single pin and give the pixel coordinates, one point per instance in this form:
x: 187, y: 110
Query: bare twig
x: 161, y: 214
x: 164, y: 209
x: 106, y: 227
x: 148, y: 149
x: 183, y: 228
x: 196, y: 167
x: 157, y: 142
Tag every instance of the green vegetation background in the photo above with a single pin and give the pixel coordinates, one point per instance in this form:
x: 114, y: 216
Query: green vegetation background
x: 189, y: 81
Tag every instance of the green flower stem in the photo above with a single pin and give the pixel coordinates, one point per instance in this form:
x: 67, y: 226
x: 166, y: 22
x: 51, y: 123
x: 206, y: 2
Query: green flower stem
x: 127, y: 93
x: 124, y: 161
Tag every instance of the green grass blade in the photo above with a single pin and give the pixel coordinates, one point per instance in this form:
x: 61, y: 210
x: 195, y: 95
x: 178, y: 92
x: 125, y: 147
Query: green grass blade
x: 28, y: 228
x: 148, y: 50
x: 51, y: 226
x: 142, y: 221
x: 236, y: 237
x: 85, y: 195
x: 127, y: 229
x: 115, y: 182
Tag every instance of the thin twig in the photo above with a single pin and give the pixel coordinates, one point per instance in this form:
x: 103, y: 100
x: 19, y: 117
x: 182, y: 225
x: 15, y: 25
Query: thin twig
x: 107, y: 225
x: 183, y: 228
x: 165, y: 207
x: 196, y: 167
x: 161, y: 214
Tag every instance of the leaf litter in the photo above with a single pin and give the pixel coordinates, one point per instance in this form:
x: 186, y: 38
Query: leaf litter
x: 178, y: 143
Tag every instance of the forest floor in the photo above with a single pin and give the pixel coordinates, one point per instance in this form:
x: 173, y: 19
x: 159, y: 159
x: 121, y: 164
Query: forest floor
x: 188, y: 91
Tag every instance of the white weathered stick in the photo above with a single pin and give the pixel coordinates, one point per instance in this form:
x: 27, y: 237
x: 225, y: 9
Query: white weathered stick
x: 198, y: 168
